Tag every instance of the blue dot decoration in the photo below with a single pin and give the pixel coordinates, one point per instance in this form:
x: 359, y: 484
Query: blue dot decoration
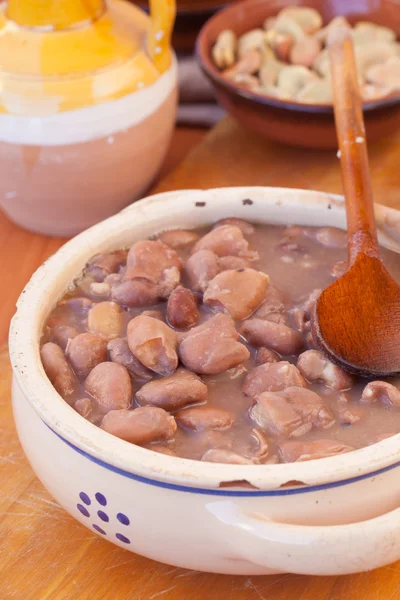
x: 123, y: 519
x: 103, y: 516
x: 85, y: 498
x: 101, y: 499
x: 98, y: 529
x: 122, y: 538
x: 83, y: 510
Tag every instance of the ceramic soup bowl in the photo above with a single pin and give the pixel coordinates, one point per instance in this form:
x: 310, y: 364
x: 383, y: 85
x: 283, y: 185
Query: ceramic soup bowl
x: 330, y: 516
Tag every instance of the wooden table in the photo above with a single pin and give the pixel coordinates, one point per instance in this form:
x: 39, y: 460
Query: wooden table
x: 44, y: 553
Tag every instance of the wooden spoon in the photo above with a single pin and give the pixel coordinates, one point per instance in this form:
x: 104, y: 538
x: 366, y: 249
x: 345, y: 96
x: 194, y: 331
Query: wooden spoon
x: 356, y: 320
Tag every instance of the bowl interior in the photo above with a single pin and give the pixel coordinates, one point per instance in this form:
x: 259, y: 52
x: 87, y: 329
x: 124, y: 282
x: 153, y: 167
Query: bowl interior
x: 186, y: 209
x: 244, y: 16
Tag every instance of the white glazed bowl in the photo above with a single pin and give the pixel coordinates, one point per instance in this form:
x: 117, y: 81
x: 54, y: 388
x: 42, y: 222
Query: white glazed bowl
x: 332, y: 516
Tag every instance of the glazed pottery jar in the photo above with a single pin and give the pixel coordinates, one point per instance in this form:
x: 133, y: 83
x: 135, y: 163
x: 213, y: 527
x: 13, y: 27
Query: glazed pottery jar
x: 87, y: 108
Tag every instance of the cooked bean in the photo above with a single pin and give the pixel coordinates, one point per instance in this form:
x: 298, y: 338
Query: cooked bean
x: 156, y: 314
x: 218, y: 455
x: 265, y: 355
x: 84, y: 407
x: 161, y: 449
x: 57, y: 369
x: 85, y: 351
x: 78, y: 304
x: 292, y: 412
x: 262, y: 450
x: 156, y: 263
x: 212, y: 347
x: 274, y: 302
x: 280, y: 318
x: 331, y: 237
x: 120, y: 354
x: 140, y: 426
x: 173, y: 392
x: 104, y: 264
x: 302, y: 451
x: 240, y: 291
x: 339, y: 268
x: 113, y: 279
x: 276, y: 336
x: 244, y: 226
x: 136, y: 293
x: 110, y: 385
x: 381, y: 391
x: 154, y: 344
x: 272, y: 377
x: 178, y: 238
x: 314, y: 366
x: 100, y: 288
x: 300, y: 320
x: 201, y: 268
x: 204, y: 417
x: 61, y: 334
x: 182, y: 310
x: 226, y: 240
x: 233, y: 262
x: 106, y: 319
x: 308, y: 305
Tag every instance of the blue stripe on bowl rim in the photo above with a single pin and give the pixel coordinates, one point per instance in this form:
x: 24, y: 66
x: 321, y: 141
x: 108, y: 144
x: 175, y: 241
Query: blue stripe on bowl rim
x: 223, y: 492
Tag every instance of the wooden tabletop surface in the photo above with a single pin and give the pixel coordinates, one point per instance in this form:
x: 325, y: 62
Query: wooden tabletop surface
x: 47, y: 555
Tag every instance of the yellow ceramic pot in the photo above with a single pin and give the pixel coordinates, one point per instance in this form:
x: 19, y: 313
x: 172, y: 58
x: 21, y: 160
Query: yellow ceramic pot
x: 87, y: 108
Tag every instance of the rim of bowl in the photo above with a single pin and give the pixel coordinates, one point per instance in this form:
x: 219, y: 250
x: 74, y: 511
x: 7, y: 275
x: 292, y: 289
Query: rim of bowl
x: 27, y: 324
x: 214, y: 74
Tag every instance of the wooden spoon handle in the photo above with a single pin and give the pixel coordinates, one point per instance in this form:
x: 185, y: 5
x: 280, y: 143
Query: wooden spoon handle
x: 350, y: 131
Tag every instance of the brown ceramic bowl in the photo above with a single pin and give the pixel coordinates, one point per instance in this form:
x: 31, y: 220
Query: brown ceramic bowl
x: 294, y: 123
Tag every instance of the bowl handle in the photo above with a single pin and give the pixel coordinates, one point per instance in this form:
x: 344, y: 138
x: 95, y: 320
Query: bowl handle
x: 159, y: 40
x: 309, y: 549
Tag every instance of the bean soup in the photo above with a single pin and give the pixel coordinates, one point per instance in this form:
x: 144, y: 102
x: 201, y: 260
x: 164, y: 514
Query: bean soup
x: 198, y: 344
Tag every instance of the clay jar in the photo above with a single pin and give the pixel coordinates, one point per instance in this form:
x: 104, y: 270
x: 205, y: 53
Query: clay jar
x: 87, y: 108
